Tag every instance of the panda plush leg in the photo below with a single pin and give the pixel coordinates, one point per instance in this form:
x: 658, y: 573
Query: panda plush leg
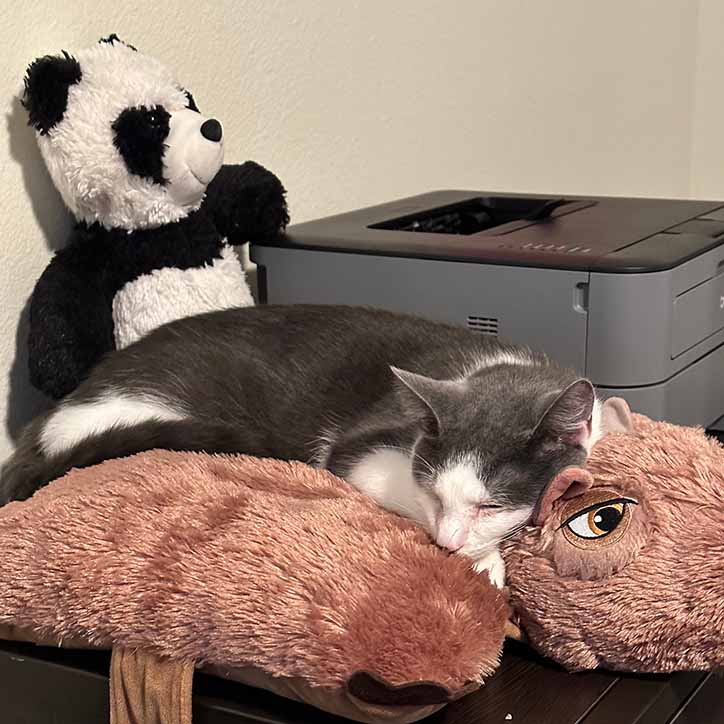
x: 71, y: 324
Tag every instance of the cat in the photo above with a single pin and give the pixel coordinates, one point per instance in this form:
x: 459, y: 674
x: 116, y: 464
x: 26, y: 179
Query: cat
x: 456, y: 431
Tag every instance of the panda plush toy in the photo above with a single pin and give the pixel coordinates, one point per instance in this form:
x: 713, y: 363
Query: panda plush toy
x: 140, y: 167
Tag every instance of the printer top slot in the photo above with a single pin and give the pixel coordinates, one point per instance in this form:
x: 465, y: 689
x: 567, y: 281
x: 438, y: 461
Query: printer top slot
x: 481, y: 214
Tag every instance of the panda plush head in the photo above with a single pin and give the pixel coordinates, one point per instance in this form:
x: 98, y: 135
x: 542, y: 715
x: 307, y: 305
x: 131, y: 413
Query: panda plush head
x: 124, y: 143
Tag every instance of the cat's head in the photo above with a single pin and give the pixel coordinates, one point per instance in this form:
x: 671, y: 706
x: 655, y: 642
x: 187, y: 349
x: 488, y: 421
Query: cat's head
x: 489, y: 444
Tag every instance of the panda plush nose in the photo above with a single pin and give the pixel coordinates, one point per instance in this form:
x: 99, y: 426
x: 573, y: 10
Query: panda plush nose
x: 211, y: 130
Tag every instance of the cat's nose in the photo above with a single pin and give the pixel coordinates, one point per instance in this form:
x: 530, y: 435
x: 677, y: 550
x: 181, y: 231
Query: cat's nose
x: 451, y: 534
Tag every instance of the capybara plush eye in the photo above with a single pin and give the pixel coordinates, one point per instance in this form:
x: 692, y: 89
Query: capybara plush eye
x: 593, y: 522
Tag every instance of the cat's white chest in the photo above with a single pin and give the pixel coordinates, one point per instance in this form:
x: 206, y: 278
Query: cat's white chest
x: 386, y: 476
x: 168, y: 294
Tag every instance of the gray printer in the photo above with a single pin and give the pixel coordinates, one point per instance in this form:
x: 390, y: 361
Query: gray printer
x: 629, y: 292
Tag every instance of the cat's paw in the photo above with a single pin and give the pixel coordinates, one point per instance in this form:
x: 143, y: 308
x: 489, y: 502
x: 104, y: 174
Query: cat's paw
x: 492, y: 563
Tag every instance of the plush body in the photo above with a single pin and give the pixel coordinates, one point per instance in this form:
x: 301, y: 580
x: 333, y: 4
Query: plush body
x: 226, y: 562
x: 460, y: 435
x: 229, y: 562
x: 158, y: 214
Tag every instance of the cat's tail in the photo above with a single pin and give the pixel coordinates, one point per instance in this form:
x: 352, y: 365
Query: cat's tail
x: 29, y: 468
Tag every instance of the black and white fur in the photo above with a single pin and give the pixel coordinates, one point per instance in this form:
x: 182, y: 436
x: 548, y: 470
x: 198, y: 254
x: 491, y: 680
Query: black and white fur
x: 141, y: 169
x: 453, y: 430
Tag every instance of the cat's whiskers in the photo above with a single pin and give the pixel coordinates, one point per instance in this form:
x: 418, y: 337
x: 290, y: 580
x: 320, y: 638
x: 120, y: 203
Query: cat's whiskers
x: 513, y: 532
x: 410, y: 454
x: 479, y: 552
x: 428, y: 465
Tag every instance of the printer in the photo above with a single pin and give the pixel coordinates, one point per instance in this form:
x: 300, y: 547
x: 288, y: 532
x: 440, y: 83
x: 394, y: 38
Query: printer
x: 627, y: 291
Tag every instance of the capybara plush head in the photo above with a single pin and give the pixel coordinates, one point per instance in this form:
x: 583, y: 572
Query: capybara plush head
x: 624, y: 565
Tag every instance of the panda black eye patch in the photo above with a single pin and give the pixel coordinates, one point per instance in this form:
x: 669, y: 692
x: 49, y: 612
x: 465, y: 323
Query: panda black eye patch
x: 139, y: 135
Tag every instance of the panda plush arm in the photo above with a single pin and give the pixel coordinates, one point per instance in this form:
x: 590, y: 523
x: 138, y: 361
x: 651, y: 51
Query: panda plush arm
x: 246, y: 202
x: 71, y: 323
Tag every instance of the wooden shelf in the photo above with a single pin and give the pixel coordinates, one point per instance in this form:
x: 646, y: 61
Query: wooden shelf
x: 44, y: 685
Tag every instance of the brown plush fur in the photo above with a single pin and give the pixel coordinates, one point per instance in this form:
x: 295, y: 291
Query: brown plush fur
x: 653, y: 598
x: 234, y: 562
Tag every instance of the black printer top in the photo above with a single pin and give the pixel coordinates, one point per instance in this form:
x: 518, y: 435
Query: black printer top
x: 607, y: 234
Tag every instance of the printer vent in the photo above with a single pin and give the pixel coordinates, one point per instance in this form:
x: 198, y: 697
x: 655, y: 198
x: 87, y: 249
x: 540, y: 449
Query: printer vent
x: 483, y: 325
x: 557, y: 248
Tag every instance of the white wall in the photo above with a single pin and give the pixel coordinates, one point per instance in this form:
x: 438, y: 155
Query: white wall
x: 707, y: 150
x: 361, y: 101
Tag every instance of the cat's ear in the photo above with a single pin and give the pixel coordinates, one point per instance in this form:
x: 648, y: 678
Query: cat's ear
x: 568, y: 417
x: 425, y: 398
x: 46, y: 89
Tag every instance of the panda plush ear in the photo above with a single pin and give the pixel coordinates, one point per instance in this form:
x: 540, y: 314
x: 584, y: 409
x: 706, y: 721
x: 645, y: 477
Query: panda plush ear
x: 113, y: 38
x: 46, y: 89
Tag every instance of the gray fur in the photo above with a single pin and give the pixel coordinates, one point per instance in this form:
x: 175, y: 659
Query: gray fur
x: 274, y: 381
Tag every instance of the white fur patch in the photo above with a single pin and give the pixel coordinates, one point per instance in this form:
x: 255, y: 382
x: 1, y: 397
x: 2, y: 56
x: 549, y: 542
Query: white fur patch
x: 499, y: 357
x: 459, y: 486
x: 72, y: 423
x: 460, y: 491
x: 83, y: 161
x: 386, y: 477
x: 597, y: 431
x: 168, y: 294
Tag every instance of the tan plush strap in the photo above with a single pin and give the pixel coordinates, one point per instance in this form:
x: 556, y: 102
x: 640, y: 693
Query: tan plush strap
x: 148, y: 690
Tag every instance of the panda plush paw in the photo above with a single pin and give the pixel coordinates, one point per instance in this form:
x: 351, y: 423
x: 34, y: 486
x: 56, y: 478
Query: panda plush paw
x: 247, y: 203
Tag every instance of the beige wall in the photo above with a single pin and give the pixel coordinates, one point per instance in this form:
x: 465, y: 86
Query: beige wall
x: 707, y: 112
x: 360, y: 101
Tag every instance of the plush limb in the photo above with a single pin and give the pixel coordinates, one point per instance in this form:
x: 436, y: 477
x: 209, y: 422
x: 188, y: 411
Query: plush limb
x: 71, y: 325
x: 246, y: 202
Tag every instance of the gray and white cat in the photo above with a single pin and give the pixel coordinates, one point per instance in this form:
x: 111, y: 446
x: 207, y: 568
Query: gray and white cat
x: 453, y: 430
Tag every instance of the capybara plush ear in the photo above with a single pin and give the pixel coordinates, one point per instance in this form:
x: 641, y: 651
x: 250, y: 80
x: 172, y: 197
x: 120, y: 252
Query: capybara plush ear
x: 569, y: 483
x: 616, y: 416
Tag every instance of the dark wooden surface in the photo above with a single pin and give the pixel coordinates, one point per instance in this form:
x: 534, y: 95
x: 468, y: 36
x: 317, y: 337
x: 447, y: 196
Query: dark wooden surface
x: 51, y: 686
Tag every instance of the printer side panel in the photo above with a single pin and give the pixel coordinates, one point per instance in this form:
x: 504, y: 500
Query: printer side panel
x: 657, y: 339
x: 542, y: 308
x: 629, y: 329
x: 694, y: 396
